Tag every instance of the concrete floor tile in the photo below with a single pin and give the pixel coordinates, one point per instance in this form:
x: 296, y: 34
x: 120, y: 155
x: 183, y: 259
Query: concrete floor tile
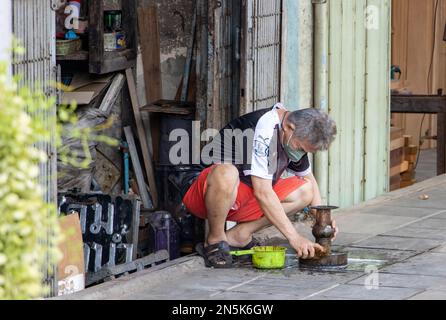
x: 391, y: 256
x: 416, y: 231
x: 430, y: 264
x: 322, y: 297
x: 430, y: 295
x: 403, y: 281
x: 435, y: 202
x: 398, y: 243
x: 370, y: 223
x: 243, y: 296
x: 441, y: 216
x: 361, y: 292
x: 170, y: 293
x: 390, y: 210
x: 345, y: 239
x: 296, y: 291
x: 432, y: 223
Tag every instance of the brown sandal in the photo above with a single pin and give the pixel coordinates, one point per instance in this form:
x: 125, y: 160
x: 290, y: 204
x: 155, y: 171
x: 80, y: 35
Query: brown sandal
x: 215, y: 255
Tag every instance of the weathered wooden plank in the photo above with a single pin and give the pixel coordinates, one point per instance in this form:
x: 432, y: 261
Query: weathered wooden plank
x: 151, y: 58
x: 106, y: 173
x: 396, y: 144
x: 404, y: 166
x: 396, y: 133
x: 142, y: 138
x: 96, y: 35
x: 396, y: 157
x: 137, y: 168
x: 112, y: 94
x: 150, y: 51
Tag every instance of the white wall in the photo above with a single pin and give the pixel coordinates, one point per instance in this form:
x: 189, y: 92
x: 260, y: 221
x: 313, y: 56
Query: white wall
x: 6, y: 27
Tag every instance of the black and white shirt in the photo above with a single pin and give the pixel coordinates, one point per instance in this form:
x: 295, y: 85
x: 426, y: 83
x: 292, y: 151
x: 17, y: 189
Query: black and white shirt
x: 251, y: 143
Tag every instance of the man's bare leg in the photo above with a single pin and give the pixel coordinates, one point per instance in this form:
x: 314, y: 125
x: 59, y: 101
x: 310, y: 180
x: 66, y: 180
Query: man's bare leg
x: 241, y: 235
x: 221, y: 193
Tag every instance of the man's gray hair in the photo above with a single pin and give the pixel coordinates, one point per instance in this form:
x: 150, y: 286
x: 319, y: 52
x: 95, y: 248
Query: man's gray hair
x: 315, y: 127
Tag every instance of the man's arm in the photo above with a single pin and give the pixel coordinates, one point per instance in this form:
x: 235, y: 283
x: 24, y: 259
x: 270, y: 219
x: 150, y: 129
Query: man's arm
x: 317, y: 200
x: 273, y: 210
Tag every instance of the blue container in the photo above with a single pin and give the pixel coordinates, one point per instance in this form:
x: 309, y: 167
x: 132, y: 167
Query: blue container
x: 164, y: 234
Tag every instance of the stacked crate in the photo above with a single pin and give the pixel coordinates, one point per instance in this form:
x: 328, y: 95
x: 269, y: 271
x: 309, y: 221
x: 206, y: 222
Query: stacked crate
x: 403, y: 158
x: 396, y: 157
x: 410, y: 158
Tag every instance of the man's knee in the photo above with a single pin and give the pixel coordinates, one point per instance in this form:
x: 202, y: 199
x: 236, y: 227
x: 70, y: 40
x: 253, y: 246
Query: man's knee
x: 306, y: 192
x: 303, y: 194
x: 224, y: 177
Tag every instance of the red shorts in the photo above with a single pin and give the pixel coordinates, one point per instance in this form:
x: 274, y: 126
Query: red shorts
x: 245, y: 208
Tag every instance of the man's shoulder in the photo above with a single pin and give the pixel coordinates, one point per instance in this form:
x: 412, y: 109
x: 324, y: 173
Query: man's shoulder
x: 249, y: 120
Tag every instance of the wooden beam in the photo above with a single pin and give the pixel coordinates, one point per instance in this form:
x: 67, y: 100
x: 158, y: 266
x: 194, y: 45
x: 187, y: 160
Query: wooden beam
x: 149, y: 39
x: 418, y: 104
x: 142, y: 137
x: 137, y: 168
x: 96, y: 35
x: 150, y: 50
x: 168, y: 109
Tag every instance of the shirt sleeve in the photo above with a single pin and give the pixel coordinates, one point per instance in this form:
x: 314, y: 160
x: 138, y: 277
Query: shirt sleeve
x: 301, y: 168
x: 262, y: 153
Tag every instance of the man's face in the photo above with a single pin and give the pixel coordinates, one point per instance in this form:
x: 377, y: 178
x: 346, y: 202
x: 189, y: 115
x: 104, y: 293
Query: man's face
x: 295, y: 143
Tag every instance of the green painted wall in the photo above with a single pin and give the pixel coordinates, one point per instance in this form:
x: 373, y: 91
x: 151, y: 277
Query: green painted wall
x: 297, y: 54
x: 359, y: 100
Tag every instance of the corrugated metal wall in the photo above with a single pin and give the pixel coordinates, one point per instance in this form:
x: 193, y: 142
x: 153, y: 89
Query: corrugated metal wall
x: 263, y: 54
x: 34, y: 27
x: 358, y: 58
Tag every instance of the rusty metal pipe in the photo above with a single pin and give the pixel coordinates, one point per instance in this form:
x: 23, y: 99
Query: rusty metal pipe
x: 323, y: 232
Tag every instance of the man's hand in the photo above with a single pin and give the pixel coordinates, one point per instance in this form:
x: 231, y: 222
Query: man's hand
x: 306, y: 249
x: 333, y: 224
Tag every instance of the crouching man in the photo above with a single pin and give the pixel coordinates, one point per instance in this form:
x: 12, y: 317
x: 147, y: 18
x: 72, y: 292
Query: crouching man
x: 250, y: 189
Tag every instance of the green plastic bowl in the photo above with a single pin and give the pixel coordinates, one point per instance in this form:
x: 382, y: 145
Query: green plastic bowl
x: 265, y: 257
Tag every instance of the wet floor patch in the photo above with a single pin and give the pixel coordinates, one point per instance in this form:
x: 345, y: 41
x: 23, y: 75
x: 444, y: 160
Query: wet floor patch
x: 364, y: 265
x: 360, y: 260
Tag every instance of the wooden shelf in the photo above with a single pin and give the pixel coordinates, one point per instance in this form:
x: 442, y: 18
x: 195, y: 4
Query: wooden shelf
x: 76, y: 56
x: 170, y: 107
x: 113, y: 61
